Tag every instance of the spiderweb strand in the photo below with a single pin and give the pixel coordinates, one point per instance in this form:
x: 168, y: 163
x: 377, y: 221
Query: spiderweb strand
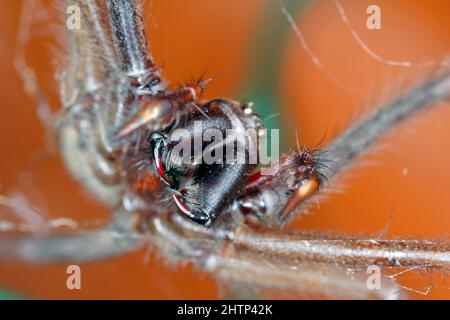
x: 304, y: 44
x: 370, y: 52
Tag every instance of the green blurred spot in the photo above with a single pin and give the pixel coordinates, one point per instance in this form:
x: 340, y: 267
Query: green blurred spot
x: 5, y: 295
x: 263, y: 75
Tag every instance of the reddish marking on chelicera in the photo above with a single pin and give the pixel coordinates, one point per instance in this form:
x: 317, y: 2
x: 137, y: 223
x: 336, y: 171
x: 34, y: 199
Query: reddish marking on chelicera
x: 161, y: 172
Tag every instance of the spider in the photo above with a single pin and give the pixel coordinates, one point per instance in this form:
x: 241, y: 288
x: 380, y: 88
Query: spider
x: 113, y: 129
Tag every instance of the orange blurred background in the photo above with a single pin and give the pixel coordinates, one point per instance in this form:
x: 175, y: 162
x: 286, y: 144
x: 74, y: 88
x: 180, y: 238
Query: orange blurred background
x: 408, y: 182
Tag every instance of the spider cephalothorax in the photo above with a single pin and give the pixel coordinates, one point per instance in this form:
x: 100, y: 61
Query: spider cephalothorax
x: 202, y: 161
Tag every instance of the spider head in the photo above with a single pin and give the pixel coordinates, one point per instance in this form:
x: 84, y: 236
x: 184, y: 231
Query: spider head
x: 200, y: 160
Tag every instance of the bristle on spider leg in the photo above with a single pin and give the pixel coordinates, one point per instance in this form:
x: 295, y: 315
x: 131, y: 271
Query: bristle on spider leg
x: 348, y: 251
x: 307, y: 278
x: 114, y: 239
x: 362, y: 136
